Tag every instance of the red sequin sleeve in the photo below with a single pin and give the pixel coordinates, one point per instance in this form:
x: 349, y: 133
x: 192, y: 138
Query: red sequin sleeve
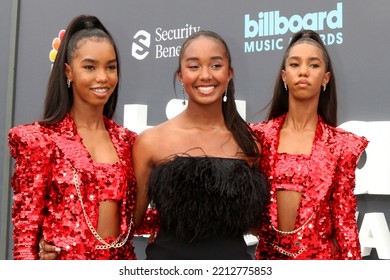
x: 29, y: 183
x: 150, y: 223
x: 344, y: 203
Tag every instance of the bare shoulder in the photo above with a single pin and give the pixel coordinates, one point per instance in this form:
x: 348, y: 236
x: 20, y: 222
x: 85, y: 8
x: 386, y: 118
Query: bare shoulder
x: 152, y: 134
x: 154, y: 142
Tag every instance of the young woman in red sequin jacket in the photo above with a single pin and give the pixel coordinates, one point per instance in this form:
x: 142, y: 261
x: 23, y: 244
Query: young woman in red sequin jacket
x: 73, y: 183
x: 309, y: 162
x: 56, y: 180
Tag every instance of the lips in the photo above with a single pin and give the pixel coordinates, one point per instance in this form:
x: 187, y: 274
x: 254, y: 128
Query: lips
x: 303, y: 82
x: 100, y: 91
x: 206, y: 90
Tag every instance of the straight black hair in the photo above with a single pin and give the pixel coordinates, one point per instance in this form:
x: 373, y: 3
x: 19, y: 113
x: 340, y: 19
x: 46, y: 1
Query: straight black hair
x: 327, y: 106
x: 59, y: 98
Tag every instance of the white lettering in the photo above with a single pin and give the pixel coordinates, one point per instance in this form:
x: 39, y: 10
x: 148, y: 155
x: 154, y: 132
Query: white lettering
x: 135, y: 117
x: 330, y: 39
x: 175, y: 34
x: 167, y: 51
x: 373, y: 176
x: 374, y: 233
x: 264, y: 45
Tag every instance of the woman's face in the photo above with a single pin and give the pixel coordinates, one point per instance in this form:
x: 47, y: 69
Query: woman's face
x: 305, y: 72
x: 205, y: 70
x: 92, y: 72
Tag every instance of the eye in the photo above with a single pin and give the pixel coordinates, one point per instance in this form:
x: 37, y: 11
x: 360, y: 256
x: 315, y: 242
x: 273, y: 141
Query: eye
x: 216, y: 65
x: 294, y: 64
x: 112, y: 67
x: 193, y: 67
x: 89, y: 67
x: 314, y: 65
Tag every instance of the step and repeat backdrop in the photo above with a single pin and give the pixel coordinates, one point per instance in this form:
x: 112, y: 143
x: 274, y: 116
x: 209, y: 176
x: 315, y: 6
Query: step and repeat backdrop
x: 149, y: 34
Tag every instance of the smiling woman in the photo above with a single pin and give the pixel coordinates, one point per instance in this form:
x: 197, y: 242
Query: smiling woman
x: 93, y: 69
x: 199, y: 168
x: 73, y: 177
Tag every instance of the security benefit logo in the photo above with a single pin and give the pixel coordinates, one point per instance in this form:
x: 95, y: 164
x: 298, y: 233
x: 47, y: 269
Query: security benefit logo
x: 141, y: 45
x: 163, y: 43
x: 266, y: 31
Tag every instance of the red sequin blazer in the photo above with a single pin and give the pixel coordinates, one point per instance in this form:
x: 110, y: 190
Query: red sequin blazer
x: 45, y: 199
x: 325, y: 226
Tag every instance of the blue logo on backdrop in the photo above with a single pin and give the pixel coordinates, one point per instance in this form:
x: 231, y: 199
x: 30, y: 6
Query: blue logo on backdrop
x: 263, y: 33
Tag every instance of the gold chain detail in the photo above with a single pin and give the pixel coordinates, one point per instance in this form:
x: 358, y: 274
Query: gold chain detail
x: 114, y: 244
x: 295, y: 230
x: 289, y: 254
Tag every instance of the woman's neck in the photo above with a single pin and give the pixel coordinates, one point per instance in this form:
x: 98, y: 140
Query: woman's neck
x: 88, y: 119
x: 301, y: 122
x: 204, y: 117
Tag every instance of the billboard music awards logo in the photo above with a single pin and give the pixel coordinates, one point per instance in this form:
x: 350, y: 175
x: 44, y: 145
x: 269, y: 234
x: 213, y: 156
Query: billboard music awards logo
x: 264, y: 32
x: 167, y: 42
x: 55, y: 46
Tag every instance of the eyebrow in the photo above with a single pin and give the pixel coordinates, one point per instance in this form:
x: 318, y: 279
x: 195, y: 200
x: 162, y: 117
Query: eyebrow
x: 90, y: 60
x: 212, y: 58
x: 300, y: 58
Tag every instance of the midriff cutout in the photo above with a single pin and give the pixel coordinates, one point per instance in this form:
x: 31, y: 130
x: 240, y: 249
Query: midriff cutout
x: 287, y: 204
x: 109, y: 219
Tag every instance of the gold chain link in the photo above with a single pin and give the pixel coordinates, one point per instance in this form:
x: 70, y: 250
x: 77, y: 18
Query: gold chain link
x: 293, y: 231
x: 289, y: 254
x: 114, y: 244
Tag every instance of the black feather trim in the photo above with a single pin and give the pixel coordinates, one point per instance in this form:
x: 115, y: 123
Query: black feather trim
x: 199, y: 197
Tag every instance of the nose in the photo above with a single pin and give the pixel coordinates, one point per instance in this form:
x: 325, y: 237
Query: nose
x: 101, y: 76
x: 205, y: 73
x: 303, y: 71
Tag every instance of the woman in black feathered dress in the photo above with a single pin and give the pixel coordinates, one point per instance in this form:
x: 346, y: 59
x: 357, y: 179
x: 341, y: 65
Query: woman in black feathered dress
x: 199, y: 170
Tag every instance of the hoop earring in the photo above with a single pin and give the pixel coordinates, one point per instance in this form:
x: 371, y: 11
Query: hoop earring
x: 285, y: 86
x: 184, y: 95
x: 324, y: 87
x: 68, y: 83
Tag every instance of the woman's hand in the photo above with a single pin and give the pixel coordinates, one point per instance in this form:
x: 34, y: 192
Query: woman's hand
x: 152, y: 237
x: 48, y: 251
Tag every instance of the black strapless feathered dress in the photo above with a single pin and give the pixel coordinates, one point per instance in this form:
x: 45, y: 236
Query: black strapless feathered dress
x: 206, y: 205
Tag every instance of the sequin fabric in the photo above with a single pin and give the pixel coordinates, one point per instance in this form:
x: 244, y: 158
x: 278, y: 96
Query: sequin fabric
x: 45, y: 199
x: 325, y: 225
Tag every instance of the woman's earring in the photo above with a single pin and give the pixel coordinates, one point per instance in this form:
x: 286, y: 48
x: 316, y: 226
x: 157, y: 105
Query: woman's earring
x: 285, y: 86
x: 68, y: 83
x: 324, y: 85
x: 184, y: 95
x: 224, y: 98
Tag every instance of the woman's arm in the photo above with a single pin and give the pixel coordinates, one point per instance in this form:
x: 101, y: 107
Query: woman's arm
x: 29, y: 182
x: 143, y: 165
x: 344, y: 203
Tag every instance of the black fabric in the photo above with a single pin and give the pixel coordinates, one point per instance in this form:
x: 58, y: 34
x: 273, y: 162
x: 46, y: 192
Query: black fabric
x: 168, y: 247
x: 200, y: 199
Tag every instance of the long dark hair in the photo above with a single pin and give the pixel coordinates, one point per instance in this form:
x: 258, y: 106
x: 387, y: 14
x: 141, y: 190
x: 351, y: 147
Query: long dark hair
x: 241, y: 131
x: 327, y: 106
x: 59, y: 98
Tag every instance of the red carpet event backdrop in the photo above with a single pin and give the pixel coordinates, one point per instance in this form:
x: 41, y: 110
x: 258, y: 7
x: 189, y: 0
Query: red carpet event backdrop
x: 149, y: 34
